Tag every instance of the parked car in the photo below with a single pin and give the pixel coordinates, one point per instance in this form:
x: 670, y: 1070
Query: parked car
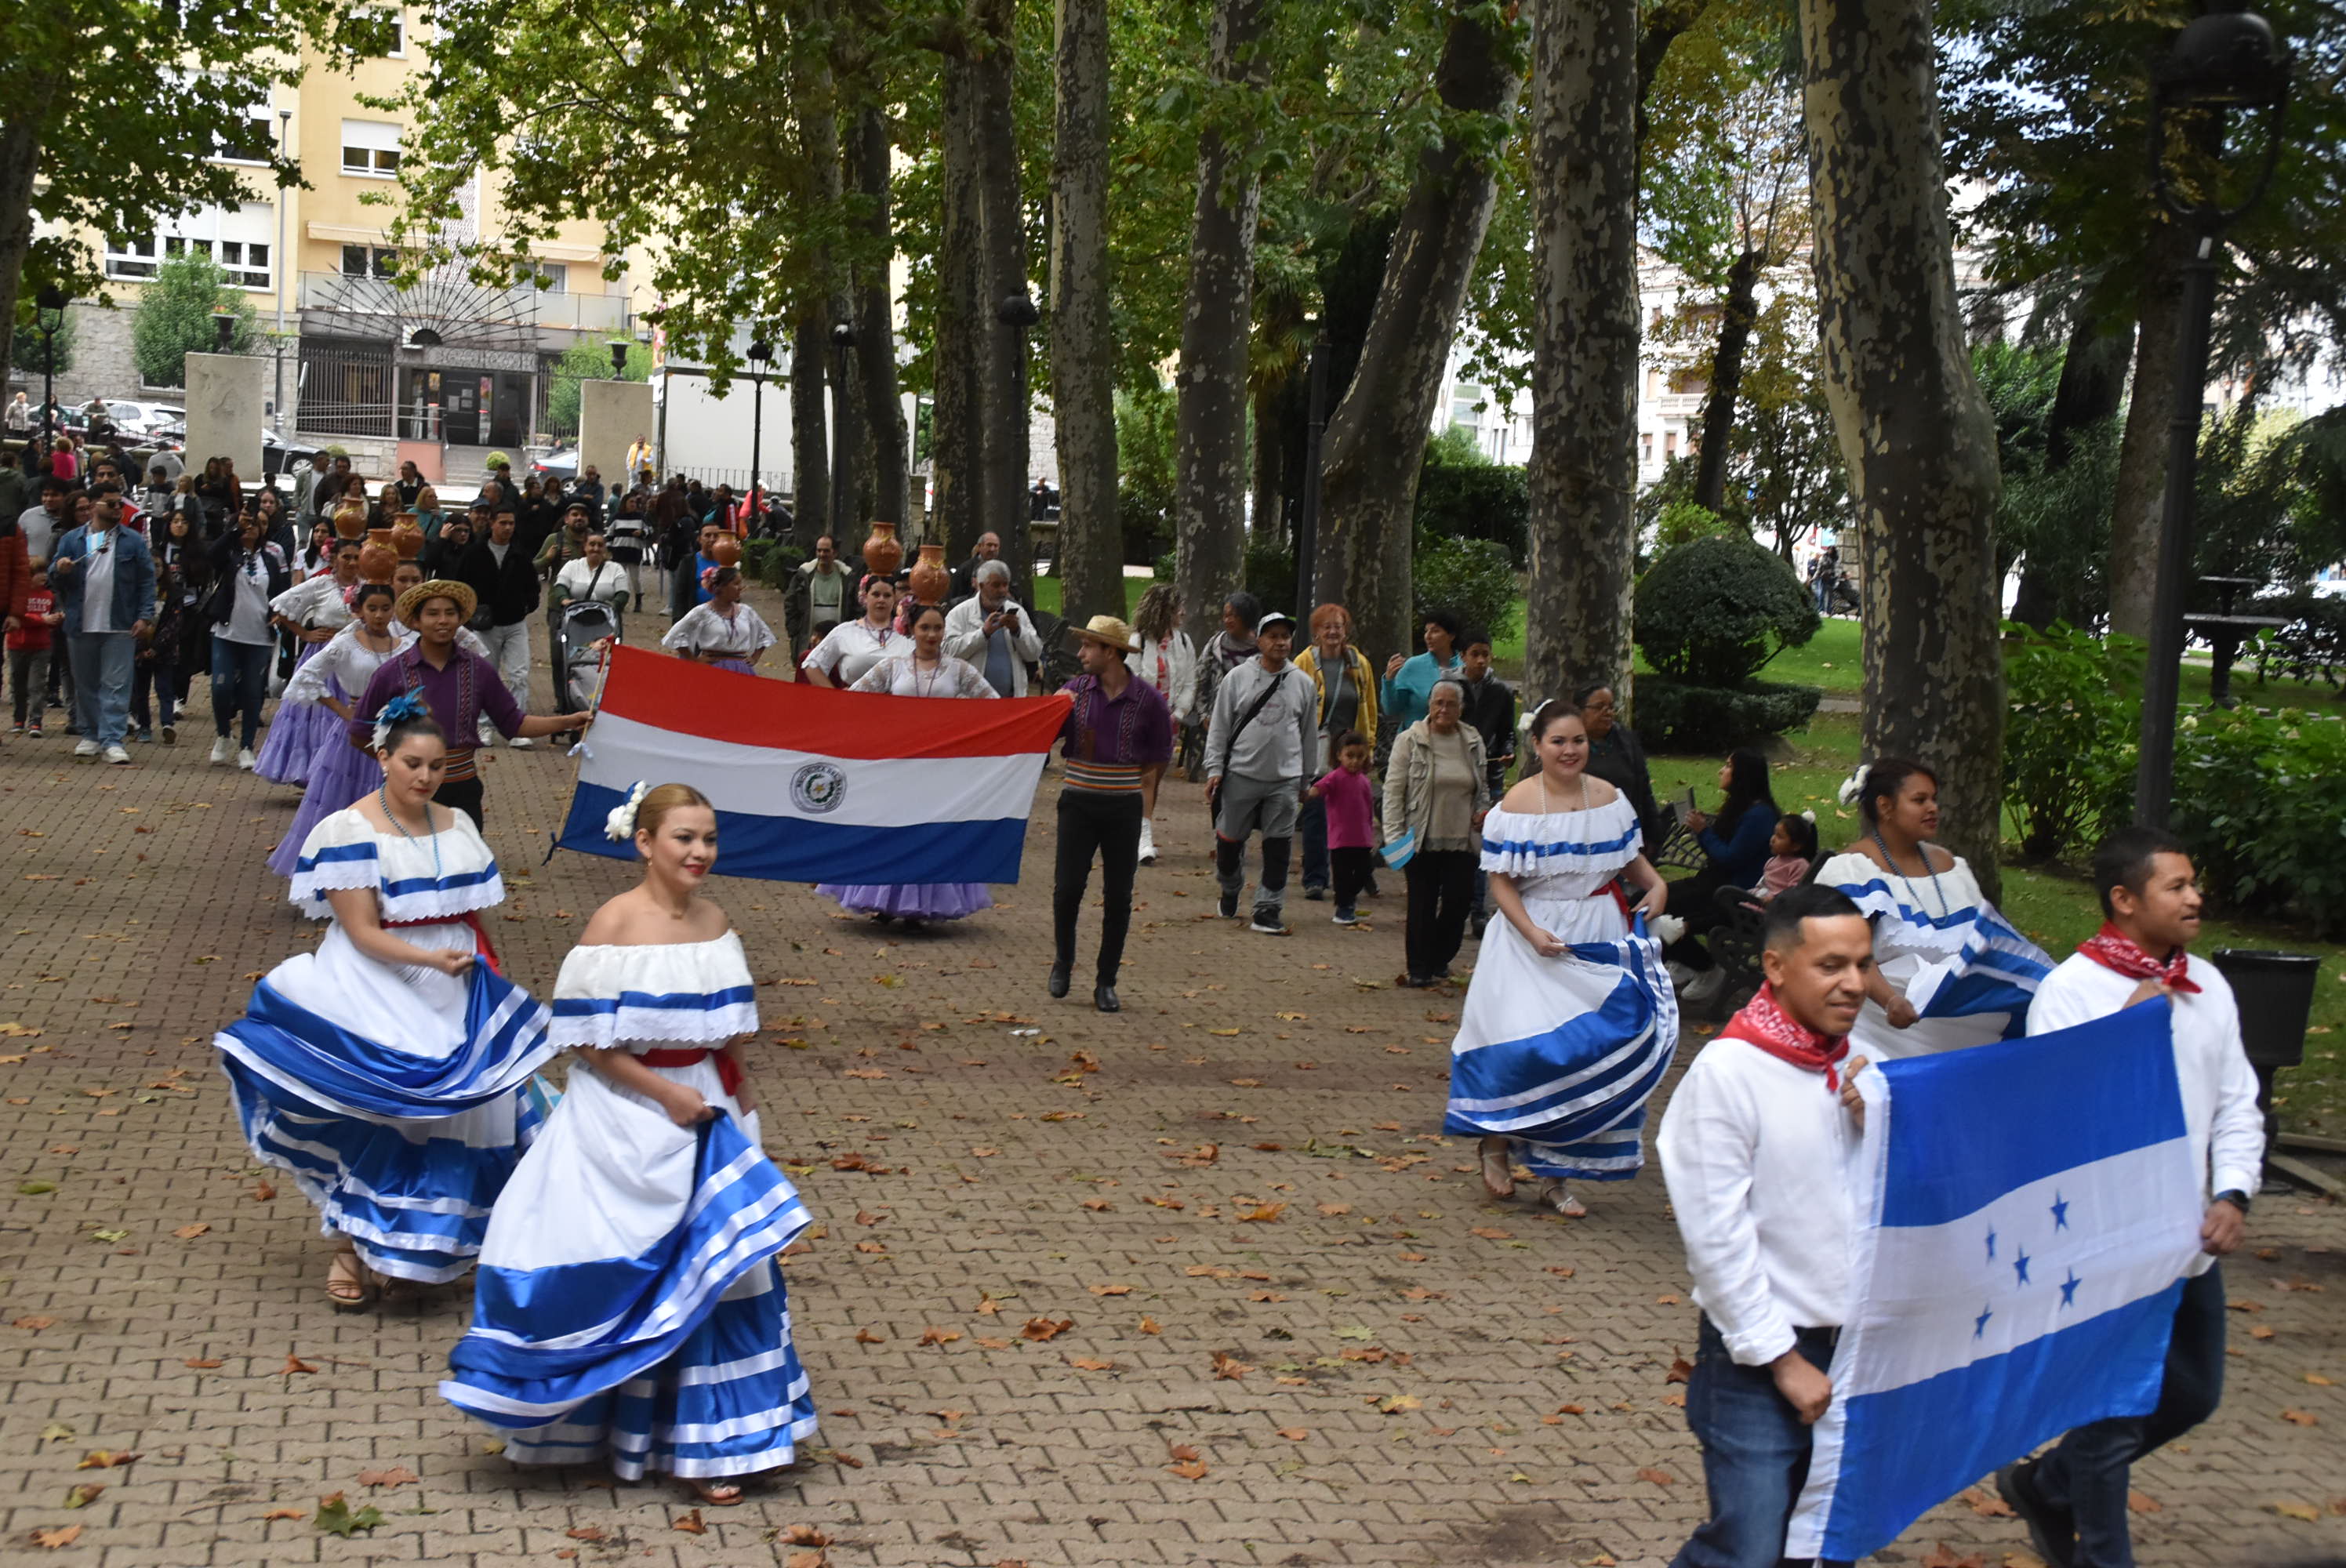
x: 561, y: 463
x: 277, y: 455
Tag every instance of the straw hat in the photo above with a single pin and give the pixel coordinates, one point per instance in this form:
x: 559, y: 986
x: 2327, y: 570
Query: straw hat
x: 1109, y: 630
x: 437, y: 589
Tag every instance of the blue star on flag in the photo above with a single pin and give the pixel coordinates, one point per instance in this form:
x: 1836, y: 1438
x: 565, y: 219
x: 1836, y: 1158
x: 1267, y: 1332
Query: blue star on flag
x: 1991, y: 1246
x: 2060, y: 1212
x: 2069, y: 1290
x: 1979, y: 1324
x: 2020, y: 1266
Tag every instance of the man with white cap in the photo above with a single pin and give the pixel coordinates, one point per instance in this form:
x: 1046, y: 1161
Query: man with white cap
x: 1260, y: 745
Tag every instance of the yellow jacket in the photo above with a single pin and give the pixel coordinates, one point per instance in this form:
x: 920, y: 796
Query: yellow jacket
x: 1363, y: 681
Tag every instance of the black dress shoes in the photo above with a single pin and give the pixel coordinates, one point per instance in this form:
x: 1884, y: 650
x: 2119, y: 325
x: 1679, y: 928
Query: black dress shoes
x: 1058, y: 982
x: 1104, y: 998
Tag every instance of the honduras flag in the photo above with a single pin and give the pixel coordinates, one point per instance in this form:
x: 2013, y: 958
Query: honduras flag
x: 813, y: 785
x: 2026, y: 1213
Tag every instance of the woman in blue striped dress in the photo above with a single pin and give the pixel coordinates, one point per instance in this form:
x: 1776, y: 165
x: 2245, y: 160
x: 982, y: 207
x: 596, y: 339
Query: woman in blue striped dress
x: 389, y: 1073
x: 629, y: 1307
x: 1570, y: 1022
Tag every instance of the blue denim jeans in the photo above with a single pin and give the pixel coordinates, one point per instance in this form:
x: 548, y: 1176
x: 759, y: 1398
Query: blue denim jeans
x: 1755, y: 1453
x: 240, y: 685
x: 2087, y: 1473
x: 1314, y: 825
x: 101, y: 683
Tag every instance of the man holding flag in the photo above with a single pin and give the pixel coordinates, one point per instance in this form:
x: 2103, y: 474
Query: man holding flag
x: 2074, y: 1499
x: 1753, y: 1148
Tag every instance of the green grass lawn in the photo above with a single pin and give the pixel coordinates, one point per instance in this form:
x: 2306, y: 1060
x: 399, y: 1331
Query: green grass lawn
x: 1046, y: 595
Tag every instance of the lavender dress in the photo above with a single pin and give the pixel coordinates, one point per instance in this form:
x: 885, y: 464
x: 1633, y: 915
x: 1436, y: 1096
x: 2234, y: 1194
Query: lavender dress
x: 917, y: 901
x: 340, y: 773
x: 303, y: 733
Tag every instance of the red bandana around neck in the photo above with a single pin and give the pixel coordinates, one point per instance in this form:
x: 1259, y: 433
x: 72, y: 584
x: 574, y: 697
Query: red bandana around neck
x: 1764, y: 1022
x: 2114, y: 950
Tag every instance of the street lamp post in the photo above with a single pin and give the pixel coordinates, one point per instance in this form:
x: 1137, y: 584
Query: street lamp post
x: 2222, y: 61
x: 843, y: 339
x: 762, y: 355
x: 49, y: 314
x: 277, y: 402
x: 1307, y: 515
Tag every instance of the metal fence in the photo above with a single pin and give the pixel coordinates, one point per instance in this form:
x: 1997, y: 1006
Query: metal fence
x: 345, y: 391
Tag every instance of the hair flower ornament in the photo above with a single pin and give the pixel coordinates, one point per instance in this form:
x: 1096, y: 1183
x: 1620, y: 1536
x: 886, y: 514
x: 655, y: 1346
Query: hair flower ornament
x: 406, y: 705
x: 620, y: 825
x: 1854, y: 785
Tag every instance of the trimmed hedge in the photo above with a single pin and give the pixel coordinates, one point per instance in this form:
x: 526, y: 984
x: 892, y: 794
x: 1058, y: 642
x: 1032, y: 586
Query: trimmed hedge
x: 1674, y: 716
x: 1715, y: 608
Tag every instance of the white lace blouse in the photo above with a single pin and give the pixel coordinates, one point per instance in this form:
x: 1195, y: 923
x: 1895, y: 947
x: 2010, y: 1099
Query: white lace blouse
x: 642, y: 998
x: 436, y: 877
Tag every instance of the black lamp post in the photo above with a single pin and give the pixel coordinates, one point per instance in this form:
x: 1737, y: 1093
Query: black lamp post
x: 761, y: 354
x: 843, y: 339
x: 1307, y: 515
x: 2224, y: 61
x: 49, y: 314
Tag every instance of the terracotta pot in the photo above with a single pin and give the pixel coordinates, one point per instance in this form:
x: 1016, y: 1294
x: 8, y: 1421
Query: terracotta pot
x: 883, y: 551
x: 407, y: 537
x: 727, y: 551
x: 376, y: 556
x: 350, y: 520
x: 931, y: 578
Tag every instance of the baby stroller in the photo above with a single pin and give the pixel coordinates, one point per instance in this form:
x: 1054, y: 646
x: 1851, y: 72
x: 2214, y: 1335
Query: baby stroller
x: 577, y: 657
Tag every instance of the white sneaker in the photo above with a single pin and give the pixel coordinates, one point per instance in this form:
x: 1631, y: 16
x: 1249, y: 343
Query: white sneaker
x: 244, y: 758
x: 222, y: 749
x: 1705, y: 987
x: 1147, y: 842
x: 115, y: 755
x: 521, y: 743
x: 1679, y: 974
x: 86, y: 747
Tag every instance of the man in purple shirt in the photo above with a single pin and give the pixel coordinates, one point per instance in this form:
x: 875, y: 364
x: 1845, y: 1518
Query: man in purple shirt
x: 457, y: 685
x: 1117, y: 733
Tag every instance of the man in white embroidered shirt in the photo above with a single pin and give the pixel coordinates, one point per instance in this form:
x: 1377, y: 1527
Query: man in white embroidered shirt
x: 2074, y: 1499
x: 1752, y: 1148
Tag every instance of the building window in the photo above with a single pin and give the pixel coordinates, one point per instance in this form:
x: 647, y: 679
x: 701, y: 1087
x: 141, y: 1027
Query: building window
x: 371, y: 147
x: 1645, y: 449
x: 1669, y: 446
x: 386, y: 34
x: 254, y: 143
x: 546, y: 276
x: 370, y: 261
x: 134, y: 257
x: 233, y: 238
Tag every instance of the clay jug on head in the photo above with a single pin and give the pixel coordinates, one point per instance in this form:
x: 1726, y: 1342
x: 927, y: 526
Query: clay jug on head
x: 883, y: 552
x: 930, y: 580
x: 407, y: 536
x: 727, y: 551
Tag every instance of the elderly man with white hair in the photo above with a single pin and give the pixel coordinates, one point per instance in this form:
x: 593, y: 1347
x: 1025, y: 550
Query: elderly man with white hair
x: 994, y: 632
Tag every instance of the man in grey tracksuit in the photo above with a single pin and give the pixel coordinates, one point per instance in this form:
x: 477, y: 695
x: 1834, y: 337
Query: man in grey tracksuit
x: 1260, y: 745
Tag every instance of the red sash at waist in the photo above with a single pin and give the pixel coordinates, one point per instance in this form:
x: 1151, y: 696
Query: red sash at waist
x: 728, y: 1071
x: 483, y: 948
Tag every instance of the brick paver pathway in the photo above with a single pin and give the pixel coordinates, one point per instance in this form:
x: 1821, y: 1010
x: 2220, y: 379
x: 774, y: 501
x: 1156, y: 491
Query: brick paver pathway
x: 1197, y: 1284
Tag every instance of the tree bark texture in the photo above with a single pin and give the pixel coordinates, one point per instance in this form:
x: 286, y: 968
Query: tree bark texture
x: 2142, y: 452
x: 874, y: 358
x: 814, y: 90
x: 1738, y: 311
x: 1268, y: 481
x: 810, y: 445
x: 1376, y: 437
x: 955, y: 433
x: 1210, y: 421
x: 1003, y: 408
x: 1083, y: 333
x: 1583, y: 472
x: 20, y: 162
x: 1913, y: 428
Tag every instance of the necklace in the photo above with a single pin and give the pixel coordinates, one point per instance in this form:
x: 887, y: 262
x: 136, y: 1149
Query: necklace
x: 1544, y: 794
x: 1891, y: 861
x: 926, y: 688
x: 383, y: 797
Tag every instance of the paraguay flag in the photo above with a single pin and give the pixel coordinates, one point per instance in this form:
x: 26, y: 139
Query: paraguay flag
x: 2026, y: 1213
x: 812, y: 785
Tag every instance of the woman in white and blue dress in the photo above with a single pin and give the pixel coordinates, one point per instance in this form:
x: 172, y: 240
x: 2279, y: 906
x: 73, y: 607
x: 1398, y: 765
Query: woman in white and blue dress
x: 311, y: 611
x: 341, y: 775
x: 628, y: 1306
x: 1948, y: 971
x: 389, y: 1073
x: 1570, y: 1021
x: 927, y: 671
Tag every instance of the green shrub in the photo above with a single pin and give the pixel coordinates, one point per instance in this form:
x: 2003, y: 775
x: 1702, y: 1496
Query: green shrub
x: 1168, y: 566
x: 1678, y: 716
x: 1268, y: 573
x: 2256, y: 798
x: 2069, y: 736
x: 1473, y: 579
x: 1476, y: 500
x: 1684, y: 522
x: 1714, y: 610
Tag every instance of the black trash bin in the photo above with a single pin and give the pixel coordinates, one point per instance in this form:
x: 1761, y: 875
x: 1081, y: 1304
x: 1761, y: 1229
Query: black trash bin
x: 2274, y: 991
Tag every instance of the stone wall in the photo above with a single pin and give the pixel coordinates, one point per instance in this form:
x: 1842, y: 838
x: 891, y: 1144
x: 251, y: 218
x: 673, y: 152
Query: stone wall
x: 104, y: 366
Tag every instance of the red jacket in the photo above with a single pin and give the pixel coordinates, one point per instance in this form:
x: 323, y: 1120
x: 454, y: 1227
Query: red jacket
x: 16, y: 570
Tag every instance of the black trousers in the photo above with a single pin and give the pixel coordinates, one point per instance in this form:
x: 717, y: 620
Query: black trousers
x: 1353, y: 867
x: 1441, y: 896
x: 461, y: 794
x: 1695, y: 900
x: 1095, y: 822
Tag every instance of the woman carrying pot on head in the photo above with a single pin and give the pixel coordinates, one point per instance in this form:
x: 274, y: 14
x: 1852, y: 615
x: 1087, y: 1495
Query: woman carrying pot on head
x: 1570, y: 1022
x: 724, y: 632
x: 850, y: 649
x: 1948, y: 971
x: 927, y: 671
x: 339, y: 774
x: 311, y: 612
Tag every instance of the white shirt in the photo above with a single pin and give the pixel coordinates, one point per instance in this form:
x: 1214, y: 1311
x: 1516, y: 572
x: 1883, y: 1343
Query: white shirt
x: 1753, y: 1150
x: 851, y: 648
x: 580, y: 580
x: 966, y: 637
x: 40, y: 531
x: 248, y: 615
x: 709, y: 632
x: 97, y: 570
x: 313, y: 602
x: 2211, y: 1064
